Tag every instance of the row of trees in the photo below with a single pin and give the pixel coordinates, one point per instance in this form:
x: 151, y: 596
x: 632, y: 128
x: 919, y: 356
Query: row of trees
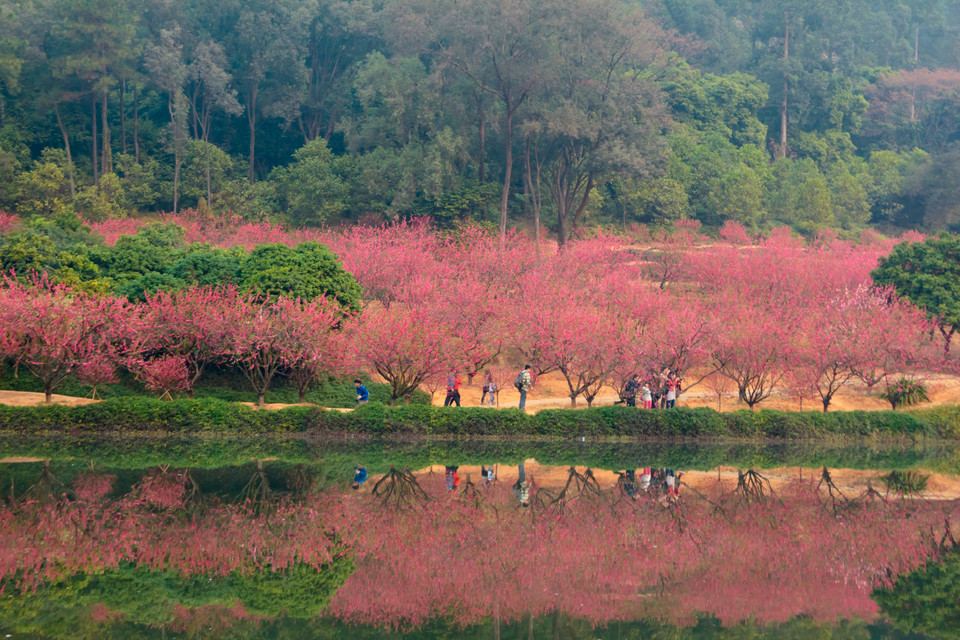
x: 782, y: 315
x: 312, y: 110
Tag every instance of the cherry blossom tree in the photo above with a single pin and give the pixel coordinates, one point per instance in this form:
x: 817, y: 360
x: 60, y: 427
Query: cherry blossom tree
x: 54, y: 331
x: 287, y: 334
x: 196, y: 324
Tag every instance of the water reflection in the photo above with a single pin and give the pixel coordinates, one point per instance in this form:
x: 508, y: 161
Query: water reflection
x: 276, y: 548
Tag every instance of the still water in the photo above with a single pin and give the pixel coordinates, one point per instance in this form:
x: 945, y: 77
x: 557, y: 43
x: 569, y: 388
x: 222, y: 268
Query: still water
x: 267, y: 538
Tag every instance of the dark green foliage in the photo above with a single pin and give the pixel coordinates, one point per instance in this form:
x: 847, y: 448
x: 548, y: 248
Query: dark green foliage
x: 928, y: 274
x: 193, y: 415
x: 906, y: 481
x: 308, y: 271
x: 925, y: 601
x: 906, y: 393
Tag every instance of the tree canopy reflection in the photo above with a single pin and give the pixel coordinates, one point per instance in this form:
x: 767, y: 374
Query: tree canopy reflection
x: 164, y: 554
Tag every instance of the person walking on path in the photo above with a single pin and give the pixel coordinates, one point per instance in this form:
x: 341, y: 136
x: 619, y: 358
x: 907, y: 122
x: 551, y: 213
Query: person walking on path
x: 453, y: 390
x: 362, y: 394
x: 522, y: 487
x: 523, y: 383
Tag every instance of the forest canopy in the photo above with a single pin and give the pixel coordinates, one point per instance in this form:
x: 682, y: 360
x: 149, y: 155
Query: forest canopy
x: 507, y: 112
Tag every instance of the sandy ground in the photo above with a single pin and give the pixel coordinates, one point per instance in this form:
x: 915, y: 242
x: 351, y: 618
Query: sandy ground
x: 551, y: 392
x: 852, y: 482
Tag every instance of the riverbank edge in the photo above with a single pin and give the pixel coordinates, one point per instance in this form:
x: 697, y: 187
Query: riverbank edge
x: 206, y: 415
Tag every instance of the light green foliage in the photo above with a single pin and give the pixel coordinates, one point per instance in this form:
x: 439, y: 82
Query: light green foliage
x: 308, y: 271
x: 800, y: 196
x: 311, y: 190
x: 60, y: 248
x: 102, y: 202
x: 726, y: 104
x: 851, y: 206
x: 45, y: 188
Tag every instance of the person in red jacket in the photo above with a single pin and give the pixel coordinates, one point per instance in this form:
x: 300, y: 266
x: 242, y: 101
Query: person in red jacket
x: 453, y: 389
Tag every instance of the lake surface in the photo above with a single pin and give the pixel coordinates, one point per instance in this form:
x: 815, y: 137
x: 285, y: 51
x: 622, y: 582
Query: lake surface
x: 264, y: 537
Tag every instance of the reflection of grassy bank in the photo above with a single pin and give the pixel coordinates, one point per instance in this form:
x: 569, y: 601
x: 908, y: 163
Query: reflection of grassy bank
x: 926, y: 600
x: 191, y: 416
x: 56, y: 619
x: 331, y: 461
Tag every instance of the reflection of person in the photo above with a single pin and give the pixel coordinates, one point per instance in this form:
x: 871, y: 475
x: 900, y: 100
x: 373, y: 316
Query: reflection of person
x: 525, y: 383
x: 645, y: 479
x: 488, y: 474
x: 453, y: 480
x: 359, y: 476
x: 522, y: 488
x: 362, y: 394
x: 630, y: 483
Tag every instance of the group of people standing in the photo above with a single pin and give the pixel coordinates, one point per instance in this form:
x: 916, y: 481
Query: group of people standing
x: 652, y: 481
x: 659, y: 391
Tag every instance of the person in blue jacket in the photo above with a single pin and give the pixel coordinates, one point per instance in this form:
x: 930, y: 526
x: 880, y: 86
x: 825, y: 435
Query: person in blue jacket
x: 359, y: 476
x: 362, y: 394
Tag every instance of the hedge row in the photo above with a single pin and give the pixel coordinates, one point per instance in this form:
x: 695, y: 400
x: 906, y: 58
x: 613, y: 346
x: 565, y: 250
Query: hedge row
x: 202, y: 415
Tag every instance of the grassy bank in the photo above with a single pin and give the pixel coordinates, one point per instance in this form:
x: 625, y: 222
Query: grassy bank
x: 209, y: 415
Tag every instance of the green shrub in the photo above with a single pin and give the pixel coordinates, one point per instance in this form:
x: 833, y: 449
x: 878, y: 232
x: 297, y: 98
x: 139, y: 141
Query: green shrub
x: 376, y: 418
x: 906, y: 481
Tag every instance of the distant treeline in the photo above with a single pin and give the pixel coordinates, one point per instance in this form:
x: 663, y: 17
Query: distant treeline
x: 829, y: 114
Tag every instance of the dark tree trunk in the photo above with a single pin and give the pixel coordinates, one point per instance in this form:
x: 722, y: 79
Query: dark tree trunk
x: 507, y: 174
x: 136, y: 124
x: 107, y: 160
x: 123, y: 116
x: 94, y: 154
x: 66, y: 146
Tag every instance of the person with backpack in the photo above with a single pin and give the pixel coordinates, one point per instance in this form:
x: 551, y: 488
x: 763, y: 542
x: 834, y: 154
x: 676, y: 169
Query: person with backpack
x: 522, y: 487
x: 630, y: 391
x: 523, y: 382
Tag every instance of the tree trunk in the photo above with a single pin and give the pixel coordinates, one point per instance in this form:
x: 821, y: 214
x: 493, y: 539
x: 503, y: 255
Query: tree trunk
x: 206, y: 149
x: 786, y: 87
x: 507, y: 173
x: 107, y: 160
x: 47, y: 394
x: 136, y: 125
x: 483, y: 140
x: 573, y: 401
x: 252, y: 122
x: 260, y: 399
x: 94, y: 154
x: 123, y: 116
x: 826, y: 404
x: 66, y: 146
